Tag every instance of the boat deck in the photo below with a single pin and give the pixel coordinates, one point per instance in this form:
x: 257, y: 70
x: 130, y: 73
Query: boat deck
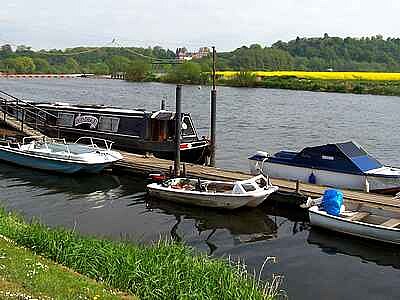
x: 143, y: 165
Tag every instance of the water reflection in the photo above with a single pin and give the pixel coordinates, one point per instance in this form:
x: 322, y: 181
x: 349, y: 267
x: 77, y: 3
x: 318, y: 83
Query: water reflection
x: 244, y: 225
x: 369, y: 251
x: 93, y: 187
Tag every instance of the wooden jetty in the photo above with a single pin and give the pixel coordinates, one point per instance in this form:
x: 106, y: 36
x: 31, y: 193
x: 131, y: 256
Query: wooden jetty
x: 143, y: 165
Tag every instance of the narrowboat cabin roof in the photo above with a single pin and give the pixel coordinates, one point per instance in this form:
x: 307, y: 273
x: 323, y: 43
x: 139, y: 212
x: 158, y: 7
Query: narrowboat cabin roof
x: 97, y: 108
x: 346, y: 157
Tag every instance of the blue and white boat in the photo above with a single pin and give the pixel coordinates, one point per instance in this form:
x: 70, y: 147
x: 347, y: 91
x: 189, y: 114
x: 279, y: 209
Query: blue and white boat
x: 344, y: 165
x: 85, y: 155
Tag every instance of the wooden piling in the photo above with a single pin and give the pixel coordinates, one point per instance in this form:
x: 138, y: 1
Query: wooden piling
x: 213, y: 114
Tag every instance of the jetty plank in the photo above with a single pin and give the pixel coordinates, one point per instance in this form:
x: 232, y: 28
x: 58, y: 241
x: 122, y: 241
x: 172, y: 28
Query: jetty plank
x: 143, y: 165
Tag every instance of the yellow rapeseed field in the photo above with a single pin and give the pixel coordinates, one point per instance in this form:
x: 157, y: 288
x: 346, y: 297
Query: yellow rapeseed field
x: 321, y: 75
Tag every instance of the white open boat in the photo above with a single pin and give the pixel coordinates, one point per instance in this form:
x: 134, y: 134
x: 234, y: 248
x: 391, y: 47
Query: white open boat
x: 360, y: 220
x: 87, y: 154
x: 217, y: 194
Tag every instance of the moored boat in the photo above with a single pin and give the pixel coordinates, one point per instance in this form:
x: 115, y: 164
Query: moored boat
x: 133, y: 130
x: 360, y: 221
x: 87, y: 154
x: 216, y: 194
x: 343, y: 165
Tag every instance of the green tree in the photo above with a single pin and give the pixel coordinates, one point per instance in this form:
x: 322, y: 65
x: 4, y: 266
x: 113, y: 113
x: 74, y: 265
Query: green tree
x: 187, y: 72
x: 138, y: 70
x: 20, y: 64
x: 42, y: 65
x: 99, y: 68
x: 119, y: 63
x: 72, y: 66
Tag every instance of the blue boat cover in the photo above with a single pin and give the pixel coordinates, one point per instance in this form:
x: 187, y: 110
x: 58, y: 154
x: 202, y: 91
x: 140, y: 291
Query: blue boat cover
x: 332, y: 201
x: 347, y: 157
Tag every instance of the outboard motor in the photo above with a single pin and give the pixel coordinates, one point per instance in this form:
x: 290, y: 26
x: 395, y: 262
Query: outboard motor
x: 256, y: 162
x: 157, y: 177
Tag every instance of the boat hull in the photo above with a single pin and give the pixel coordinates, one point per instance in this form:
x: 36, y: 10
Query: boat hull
x: 48, y: 164
x: 214, y: 200
x: 261, y: 198
x: 355, y: 228
x: 197, y: 154
x: 380, y: 184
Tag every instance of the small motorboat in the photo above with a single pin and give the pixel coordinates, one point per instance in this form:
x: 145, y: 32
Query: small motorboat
x: 216, y: 194
x: 87, y: 154
x: 356, y: 219
x: 343, y: 165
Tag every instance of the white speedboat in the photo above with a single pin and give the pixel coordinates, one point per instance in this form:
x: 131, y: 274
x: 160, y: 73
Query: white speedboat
x: 217, y: 194
x: 342, y: 165
x: 85, y: 155
x: 361, y: 221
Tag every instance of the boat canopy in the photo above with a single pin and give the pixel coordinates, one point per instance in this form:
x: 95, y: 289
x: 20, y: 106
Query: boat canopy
x: 347, y: 157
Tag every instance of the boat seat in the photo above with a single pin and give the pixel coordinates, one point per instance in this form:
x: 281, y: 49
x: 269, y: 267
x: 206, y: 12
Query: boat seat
x: 391, y: 223
x: 358, y: 216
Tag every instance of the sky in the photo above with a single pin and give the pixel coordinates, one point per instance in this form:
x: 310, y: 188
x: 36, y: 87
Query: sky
x: 225, y: 24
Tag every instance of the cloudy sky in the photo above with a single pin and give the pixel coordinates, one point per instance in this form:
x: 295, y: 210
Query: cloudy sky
x: 227, y: 24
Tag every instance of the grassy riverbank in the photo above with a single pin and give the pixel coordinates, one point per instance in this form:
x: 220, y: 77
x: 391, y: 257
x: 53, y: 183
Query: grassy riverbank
x: 388, y: 88
x: 24, y: 275
x: 164, y: 270
x: 359, y: 86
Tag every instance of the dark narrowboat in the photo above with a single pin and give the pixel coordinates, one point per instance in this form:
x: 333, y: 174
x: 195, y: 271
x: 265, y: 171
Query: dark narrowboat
x: 133, y: 130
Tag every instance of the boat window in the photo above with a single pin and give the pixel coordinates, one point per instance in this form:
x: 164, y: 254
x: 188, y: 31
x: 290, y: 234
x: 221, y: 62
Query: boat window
x: 132, y: 126
x: 187, y: 127
x: 351, y: 149
x: 327, y: 157
x: 108, y: 124
x: 65, y: 119
x: 248, y: 187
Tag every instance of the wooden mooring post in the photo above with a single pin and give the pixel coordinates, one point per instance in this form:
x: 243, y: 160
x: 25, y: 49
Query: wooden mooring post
x: 213, y: 114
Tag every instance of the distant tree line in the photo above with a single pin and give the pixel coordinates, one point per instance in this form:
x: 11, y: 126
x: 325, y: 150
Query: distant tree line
x: 103, y: 60
x: 309, y: 54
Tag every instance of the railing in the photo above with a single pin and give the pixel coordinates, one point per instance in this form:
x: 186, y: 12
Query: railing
x: 91, y: 142
x: 25, y: 112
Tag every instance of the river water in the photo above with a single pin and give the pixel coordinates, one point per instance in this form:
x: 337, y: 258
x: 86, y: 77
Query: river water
x: 315, y: 263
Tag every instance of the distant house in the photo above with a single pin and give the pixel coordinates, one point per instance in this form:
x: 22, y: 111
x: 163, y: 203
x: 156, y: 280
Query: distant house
x: 203, y: 52
x: 184, y: 54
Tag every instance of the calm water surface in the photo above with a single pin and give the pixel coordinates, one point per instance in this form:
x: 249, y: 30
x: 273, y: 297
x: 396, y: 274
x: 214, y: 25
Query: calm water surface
x: 315, y: 263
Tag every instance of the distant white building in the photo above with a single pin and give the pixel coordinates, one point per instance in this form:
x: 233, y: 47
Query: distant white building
x: 184, y: 54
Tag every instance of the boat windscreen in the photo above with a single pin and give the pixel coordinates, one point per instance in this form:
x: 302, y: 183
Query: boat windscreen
x: 351, y: 149
x: 359, y: 156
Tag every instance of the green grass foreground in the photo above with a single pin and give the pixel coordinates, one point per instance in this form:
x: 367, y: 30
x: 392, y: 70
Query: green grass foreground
x: 165, y: 270
x: 24, y: 275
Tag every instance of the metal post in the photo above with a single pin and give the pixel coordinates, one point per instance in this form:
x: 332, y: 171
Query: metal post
x: 178, y: 129
x: 184, y: 170
x: 22, y: 121
x: 213, y: 113
x: 5, y: 110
